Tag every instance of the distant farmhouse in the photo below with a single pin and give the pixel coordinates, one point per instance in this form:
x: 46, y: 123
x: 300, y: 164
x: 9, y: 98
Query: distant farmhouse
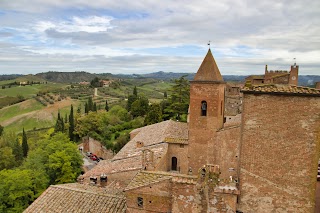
x: 263, y: 158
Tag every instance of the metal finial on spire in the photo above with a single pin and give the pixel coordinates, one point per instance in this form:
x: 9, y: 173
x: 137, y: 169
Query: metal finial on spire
x: 295, y: 62
x: 209, y: 44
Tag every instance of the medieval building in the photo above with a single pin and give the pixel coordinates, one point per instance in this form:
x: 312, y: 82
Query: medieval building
x: 276, y: 77
x: 262, y: 160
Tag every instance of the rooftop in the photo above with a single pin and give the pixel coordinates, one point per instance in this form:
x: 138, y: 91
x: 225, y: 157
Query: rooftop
x: 74, y: 198
x: 282, y: 90
x: 145, y: 178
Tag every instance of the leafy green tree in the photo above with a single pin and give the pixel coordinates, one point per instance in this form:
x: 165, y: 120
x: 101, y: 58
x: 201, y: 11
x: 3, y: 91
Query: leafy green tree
x: 179, y: 99
x: 71, y: 124
x: 95, y: 82
x: 16, y: 190
x: 107, y: 106
x: 154, y: 115
x: 6, y: 158
x: 93, y: 122
x: 131, y: 99
x: 120, y: 112
x: 25, y: 146
x: 121, y: 142
x: 140, y: 107
x: 57, y: 157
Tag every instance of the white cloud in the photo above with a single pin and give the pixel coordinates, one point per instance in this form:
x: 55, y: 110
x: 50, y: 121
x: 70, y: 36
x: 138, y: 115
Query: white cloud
x: 90, y: 24
x: 245, y: 34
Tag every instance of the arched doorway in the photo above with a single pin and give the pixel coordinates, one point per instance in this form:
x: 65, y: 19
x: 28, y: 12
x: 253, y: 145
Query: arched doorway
x: 174, y: 163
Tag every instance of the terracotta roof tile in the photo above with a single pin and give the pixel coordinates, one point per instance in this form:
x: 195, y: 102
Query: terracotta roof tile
x: 145, y: 178
x: 73, y: 198
x: 282, y: 89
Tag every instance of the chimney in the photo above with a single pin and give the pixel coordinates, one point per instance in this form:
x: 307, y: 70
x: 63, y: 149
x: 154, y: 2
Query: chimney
x: 93, y: 180
x: 103, y: 180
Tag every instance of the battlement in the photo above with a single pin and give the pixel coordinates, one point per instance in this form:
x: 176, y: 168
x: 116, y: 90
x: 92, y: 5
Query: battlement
x: 277, y: 71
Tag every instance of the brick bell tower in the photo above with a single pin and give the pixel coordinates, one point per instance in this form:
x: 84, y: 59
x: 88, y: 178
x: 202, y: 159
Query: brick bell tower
x: 206, y: 113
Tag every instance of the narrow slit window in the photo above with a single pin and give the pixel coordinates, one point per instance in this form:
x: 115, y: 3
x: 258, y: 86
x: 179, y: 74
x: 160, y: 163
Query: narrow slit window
x: 174, y: 163
x: 203, y: 108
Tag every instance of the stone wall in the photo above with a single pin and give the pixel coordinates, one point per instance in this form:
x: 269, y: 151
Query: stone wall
x: 95, y: 147
x: 180, y: 151
x: 279, y: 153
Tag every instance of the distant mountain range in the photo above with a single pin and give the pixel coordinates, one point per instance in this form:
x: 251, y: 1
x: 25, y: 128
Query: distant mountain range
x: 78, y: 76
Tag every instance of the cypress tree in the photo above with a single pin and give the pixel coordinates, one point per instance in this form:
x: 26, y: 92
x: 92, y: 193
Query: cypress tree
x: 59, y: 127
x: 165, y: 95
x: 107, y: 106
x: 86, y: 110
x: 25, y: 147
x: 71, y: 124
x: 90, y: 104
x: 94, y: 108
x: 66, y: 118
x: 135, y: 92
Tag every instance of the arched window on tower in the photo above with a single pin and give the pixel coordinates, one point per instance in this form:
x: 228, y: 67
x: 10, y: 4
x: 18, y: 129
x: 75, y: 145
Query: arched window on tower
x: 203, y: 108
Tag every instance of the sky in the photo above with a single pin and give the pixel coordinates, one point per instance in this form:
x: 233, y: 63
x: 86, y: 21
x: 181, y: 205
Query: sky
x: 126, y: 37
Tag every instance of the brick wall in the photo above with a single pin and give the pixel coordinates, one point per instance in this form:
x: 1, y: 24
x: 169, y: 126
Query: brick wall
x: 227, y: 151
x: 203, y: 128
x: 279, y: 153
x: 156, y: 198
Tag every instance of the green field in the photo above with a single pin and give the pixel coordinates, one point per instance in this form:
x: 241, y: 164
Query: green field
x: 29, y: 91
x: 19, y: 109
x: 31, y: 114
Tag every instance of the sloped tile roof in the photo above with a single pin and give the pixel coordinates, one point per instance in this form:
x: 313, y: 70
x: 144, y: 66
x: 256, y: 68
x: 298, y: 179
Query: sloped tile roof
x: 72, y: 198
x: 282, y: 90
x: 145, y: 178
x: 110, y: 167
x: 152, y: 135
x: 176, y: 140
x: 255, y: 77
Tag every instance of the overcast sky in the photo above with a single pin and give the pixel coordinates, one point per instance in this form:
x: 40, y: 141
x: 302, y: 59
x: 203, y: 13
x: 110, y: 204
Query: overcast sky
x: 126, y: 36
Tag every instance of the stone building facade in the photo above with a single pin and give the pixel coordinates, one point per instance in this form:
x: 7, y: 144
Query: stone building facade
x: 262, y: 160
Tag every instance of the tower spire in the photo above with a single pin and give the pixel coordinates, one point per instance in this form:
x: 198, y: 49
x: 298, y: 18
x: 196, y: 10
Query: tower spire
x: 208, y: 70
